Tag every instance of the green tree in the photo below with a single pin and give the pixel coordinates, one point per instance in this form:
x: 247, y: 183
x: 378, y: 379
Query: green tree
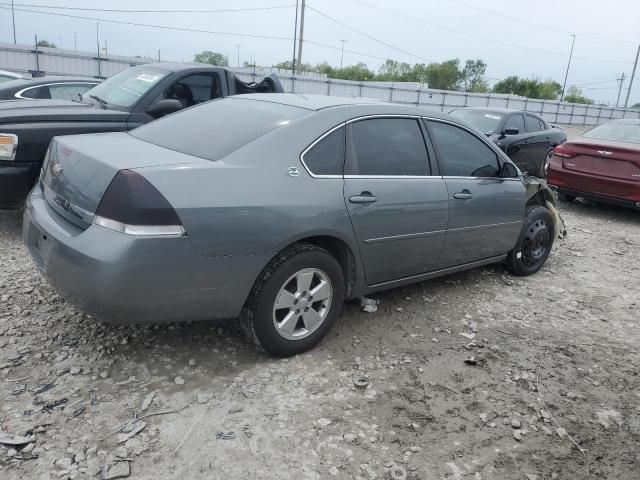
x: 358, y: 72
x: 214, y: 58
x: 287, y: 66
x: 635, y: 105
x: 529, y: 87
x: 445, y: 75
x: 472, y: 76
x: 394, y: 71
x: 574, y: 95
x: 46, y: 44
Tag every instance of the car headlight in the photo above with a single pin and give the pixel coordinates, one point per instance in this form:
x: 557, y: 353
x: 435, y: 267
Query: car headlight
x: 8, y: 146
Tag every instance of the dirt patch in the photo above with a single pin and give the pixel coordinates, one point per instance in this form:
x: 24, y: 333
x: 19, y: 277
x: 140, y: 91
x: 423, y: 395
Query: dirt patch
x: 386, y: 395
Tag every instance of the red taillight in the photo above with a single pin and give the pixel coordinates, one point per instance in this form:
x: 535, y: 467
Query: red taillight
x: 133, y: 206
x: 564, y: 152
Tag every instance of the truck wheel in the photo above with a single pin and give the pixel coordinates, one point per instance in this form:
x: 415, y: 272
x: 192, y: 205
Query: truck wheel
x: 535, y: 242
x: 295, y: 302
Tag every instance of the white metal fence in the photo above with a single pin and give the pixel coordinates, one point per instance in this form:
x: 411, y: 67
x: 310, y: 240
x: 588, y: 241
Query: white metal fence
x: 55, y: 61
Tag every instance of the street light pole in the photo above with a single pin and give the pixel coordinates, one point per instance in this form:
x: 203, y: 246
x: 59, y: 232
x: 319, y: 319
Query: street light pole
x: 295, y: 38
x: 13, y: 18
x: 342, y: 53
x: 568, y: 65
x: 633, y: 74
x: 238, y: 45
x: 75, y: 41
x: 621, y: 80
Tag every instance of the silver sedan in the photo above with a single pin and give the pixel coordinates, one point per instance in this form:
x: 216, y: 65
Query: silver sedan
x: 276, y: 208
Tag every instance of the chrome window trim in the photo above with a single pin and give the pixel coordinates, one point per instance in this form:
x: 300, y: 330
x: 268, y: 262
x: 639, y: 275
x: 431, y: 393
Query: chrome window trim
x: 397, y: 177
x: 313, y: 144
x: 19, y: 94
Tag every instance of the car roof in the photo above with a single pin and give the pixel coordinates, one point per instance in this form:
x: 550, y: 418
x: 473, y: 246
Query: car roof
x: 177, y: 67
x: 323, y: 102
x: 11, y: 74
x: 29, y: 82
x: 626, y: 121
x: 496, y: 110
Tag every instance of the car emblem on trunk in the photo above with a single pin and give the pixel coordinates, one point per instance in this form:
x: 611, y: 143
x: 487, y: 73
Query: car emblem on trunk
x: 56, y: 169
x: 293, y: 172
x: 605, y: 153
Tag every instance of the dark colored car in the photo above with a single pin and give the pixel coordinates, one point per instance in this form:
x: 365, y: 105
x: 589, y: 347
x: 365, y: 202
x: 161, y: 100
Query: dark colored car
x: 274, y: 208
x: 124, y: 101
x: 46, y: 88
x: 525, y: 137
x: 602, y: 164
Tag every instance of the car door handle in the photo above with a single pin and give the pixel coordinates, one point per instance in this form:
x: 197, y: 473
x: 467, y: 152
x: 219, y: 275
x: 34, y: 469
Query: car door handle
x: 464, y: 195
x: 364, y: 197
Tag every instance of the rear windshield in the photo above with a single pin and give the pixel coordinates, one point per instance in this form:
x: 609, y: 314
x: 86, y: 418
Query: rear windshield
x: 621, y: 132
x: 484, y: 121
x: 217, y: 128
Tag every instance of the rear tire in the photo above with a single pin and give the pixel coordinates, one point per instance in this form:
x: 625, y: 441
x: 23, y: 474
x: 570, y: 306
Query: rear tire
x: 281, y: 314
x: 564, y: 197
x: 534, y: 244
x: 543, y: 172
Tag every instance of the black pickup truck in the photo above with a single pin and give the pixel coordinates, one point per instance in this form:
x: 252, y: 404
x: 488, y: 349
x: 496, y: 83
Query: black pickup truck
x: 124, y: 101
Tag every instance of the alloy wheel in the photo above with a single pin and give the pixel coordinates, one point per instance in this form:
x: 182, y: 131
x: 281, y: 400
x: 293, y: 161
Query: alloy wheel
x: 302, y: 304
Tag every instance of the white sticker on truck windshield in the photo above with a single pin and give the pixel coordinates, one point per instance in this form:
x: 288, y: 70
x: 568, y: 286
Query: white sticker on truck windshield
x: 495, y: 117
x: 147, y: 77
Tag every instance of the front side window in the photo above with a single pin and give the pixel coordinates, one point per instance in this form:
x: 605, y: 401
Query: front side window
x: 124, y: 89
x: 387, y: 146
x: 194, y: 89
x: 462, y: 154
x: 515, y: 121
x: 532, y: 123
x: 326, y: 157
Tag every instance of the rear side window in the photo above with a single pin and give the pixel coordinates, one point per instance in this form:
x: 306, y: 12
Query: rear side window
x: 532, y: 123
x: 515, y: 121
x: 462, y: 154
x: 37, y: 92
x: 387, y: 146
x: 327, y: 156
x: 217, y: 128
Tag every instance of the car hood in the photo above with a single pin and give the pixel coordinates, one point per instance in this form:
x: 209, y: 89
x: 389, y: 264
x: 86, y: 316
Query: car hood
x: 21, y: 111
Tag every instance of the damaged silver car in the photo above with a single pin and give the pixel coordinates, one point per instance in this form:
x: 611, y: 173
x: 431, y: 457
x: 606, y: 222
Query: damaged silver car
x: 275, y: 209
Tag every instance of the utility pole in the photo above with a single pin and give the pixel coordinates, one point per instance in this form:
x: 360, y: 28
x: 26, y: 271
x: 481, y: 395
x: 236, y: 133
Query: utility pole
x: 301, y: 39
x: 342, y: 53
x: 13, y: 18
x: 295, y: 38
x: 98, y: 45
x: 621, y: 80
x: 633, y: 74
x: 158, y: 55
x: 75, y: 41
x: 238, y: 45
x: 568, y: 65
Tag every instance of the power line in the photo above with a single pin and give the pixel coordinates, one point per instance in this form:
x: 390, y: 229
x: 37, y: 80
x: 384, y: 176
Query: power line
x: 191, y: 30
x: 382, y: 42
x: 480, y: 37
x: 540, y: 25
x: 119, y: 10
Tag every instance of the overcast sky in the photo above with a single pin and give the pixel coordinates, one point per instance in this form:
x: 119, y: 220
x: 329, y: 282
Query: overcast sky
x: 607, y: 33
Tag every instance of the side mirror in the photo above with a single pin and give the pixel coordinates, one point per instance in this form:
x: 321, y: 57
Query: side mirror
x: 511, y: 131
x: 509, y: 170
x: 165, y: 106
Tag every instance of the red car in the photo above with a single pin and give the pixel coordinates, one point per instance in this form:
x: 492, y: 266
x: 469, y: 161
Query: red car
x: 602, y: 164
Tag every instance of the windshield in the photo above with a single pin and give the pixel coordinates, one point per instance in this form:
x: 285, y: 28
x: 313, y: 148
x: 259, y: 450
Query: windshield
x: 621, y: 132
x: 124, y: 89
x: 484, y: 121
x: 214, y: 129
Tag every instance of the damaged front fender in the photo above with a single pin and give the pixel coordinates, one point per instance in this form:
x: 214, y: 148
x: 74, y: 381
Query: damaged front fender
x: 539, y: 193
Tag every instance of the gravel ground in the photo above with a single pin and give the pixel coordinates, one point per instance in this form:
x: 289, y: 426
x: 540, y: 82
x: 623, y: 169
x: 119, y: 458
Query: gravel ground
x: 475, y: 375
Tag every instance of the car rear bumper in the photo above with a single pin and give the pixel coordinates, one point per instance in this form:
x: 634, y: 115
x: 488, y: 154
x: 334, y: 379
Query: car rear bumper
x: 604, y: 189
x: 16, y: 179
x: 126, y: 279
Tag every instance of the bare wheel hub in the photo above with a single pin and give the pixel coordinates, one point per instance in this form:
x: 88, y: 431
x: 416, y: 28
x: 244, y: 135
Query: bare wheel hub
x: 302, y: 304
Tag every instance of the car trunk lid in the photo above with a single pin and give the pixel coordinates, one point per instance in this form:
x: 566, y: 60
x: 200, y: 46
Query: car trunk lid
x: 609, y: 160
x: 78, y: 169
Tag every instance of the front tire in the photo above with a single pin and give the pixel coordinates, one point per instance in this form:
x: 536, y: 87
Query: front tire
x: 295, y: 302
x: 534, y: 244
